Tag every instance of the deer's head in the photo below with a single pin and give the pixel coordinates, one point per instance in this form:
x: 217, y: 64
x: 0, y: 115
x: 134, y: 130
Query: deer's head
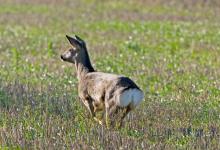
x: 76, y: 51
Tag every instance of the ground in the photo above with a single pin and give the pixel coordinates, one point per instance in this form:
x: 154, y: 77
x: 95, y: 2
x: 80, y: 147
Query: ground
x: 170, y: 49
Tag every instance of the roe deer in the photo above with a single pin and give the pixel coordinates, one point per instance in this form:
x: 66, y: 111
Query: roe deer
x: 101, y: 91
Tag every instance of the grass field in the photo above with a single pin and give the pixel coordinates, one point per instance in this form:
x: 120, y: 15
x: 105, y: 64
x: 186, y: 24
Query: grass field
x: 170, y: 49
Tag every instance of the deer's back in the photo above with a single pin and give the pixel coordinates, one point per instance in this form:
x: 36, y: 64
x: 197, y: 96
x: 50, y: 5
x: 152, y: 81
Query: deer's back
x: 102, y: 87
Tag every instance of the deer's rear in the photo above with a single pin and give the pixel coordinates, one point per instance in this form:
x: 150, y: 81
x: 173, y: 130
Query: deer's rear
x: 130, y: 97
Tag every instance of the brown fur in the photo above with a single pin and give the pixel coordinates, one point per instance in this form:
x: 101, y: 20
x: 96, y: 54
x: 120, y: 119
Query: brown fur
x: 97, y: 90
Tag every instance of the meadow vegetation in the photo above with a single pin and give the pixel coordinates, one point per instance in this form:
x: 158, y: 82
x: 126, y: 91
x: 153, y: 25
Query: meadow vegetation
x: 170, y: 49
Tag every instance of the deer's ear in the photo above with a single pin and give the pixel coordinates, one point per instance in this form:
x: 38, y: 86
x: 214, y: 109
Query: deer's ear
x: 78, y: 38
x: 73, y: 41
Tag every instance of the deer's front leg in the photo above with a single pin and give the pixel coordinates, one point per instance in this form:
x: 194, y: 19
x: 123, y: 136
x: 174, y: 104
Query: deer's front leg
x: 90, y: 107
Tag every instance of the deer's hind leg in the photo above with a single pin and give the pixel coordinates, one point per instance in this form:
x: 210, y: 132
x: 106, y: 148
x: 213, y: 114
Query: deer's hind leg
x: 127, y: 110
x: 117, y: 114
x: 110, y: 108
x: 113, y: 114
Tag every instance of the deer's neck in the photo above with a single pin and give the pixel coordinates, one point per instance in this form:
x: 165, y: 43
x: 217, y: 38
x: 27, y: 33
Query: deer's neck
x: 83, y: 66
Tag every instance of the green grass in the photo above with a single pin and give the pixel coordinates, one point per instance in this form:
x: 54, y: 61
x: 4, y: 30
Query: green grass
x: 26, y: 8
x: 172, y: 54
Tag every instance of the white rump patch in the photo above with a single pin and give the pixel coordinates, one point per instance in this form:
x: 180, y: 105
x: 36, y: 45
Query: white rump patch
x: 130, y: 97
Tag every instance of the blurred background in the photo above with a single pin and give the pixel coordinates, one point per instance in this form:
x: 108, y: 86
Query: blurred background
x: 170, y: 48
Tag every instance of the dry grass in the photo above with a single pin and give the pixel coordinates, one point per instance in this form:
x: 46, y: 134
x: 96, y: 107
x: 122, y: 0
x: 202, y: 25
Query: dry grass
x: 170, y: 49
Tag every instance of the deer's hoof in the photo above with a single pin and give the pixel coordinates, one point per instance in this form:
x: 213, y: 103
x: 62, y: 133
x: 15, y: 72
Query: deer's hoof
x: 99, y: 121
